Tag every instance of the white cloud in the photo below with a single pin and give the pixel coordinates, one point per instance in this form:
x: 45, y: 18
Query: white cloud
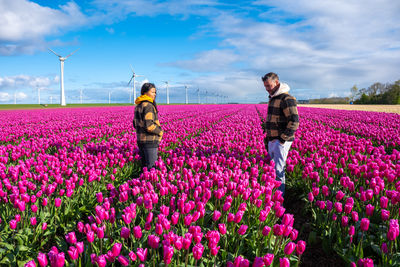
x: 21, y: 96
x: 209, y: 61
x: 4, y: 97
x: 25, y: 81
x: 24, y: 24
x: 312, y: 44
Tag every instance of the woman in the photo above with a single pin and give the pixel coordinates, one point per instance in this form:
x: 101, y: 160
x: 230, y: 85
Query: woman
x: 148, y: 129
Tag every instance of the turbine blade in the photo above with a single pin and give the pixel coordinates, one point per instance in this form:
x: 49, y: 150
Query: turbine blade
x: 71, y: 53
x: 130, y: 80
x: 54, y: 52
x: 132, y: 68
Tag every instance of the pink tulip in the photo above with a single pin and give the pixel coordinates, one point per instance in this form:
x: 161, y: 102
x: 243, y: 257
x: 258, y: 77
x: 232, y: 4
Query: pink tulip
x: 80, y: 246
x: 116, y: 249
x: 268, y: 259
x: 125, y: 232
x: 33, y: 220
x: 266, y: 230
x: 300, y: 247
x: 73, y: 253
x: 242, y: 229
x: 142, y: 254
x: 222, y: 228
x: 42, y: 259
x: 90, y: 236
x: 369, y: 210
x: 57, y: 202
x: 385, y: 215
x: 258, y: 262
x: 31, y: 263
x: 137, y: 232
x: 71, y: 238
x: 124, y: 261
x: 168, y: 253
x: 364, y: 224
x: 101, y: 261
x: 13, y: 224
x: 99, y: 197
x: 216, y: 215
x: 284, y: 262
x: 175, y: 218
x: 198, y: 251
x: 289, y: 248
x: 153, y: 241
x: 132, y: 256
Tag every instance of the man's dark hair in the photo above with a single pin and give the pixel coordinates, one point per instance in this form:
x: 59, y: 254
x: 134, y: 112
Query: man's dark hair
x: 147, y: 87
x: 270, y: 76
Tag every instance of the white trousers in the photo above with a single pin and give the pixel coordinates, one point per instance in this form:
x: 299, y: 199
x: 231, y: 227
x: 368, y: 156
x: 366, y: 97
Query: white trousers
x: 279, y: 153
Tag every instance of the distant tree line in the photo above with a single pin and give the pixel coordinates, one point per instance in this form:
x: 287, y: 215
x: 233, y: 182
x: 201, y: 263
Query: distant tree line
x: 330, y: 100
x: 377, y: 93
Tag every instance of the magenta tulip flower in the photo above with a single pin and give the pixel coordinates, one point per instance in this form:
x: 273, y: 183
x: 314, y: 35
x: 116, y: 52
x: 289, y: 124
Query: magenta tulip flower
x: 198, y: 251
x: 289, y: 248
x: 266, y: 230
x: 73, y: 253
x: 369, y: 210
x: 153, y: 241
x: 142, y: 254
x: 268, y: 259
x: 13, y: 224
x: 31, y: 263
x: 124, y: 261
x: 364, y: 224
x: 57, y: 202
x: 42, y: 259
x: 80, y: 247
x: 90, y: 236
x: 222, y: 228
x: 284, y: 262
x: 300, y: 247
x: 242, y: 229
x: 132, y: 256
x: 125, y: 232
x: 116, y: 249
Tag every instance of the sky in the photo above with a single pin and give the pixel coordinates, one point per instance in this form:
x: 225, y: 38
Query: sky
x: 218, y: 49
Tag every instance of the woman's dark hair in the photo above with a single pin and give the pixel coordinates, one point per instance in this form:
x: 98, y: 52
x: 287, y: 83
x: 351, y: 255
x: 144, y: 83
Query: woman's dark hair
x: 147, y: 87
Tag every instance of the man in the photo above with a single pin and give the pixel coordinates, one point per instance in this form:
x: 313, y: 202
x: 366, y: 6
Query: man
x: 281, y: 123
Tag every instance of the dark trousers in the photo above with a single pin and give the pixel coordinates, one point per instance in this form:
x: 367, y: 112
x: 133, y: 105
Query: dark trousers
x: 148, y: 156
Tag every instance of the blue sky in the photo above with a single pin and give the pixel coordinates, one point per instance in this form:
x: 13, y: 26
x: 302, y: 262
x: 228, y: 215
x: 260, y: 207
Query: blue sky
x: 320, y: 48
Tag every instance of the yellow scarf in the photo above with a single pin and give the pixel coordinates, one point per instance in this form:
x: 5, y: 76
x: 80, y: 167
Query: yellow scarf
x: 142, y: 98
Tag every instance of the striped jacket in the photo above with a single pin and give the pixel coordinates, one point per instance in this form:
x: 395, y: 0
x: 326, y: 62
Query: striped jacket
x: 146, y: 123
x: 282, y: 120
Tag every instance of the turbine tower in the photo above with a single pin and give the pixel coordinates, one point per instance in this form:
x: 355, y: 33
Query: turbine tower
x: 198, y: 95
x: 167, y: 82
x: 186, y: 91
x: 134, y: 84
x: 62, y: 59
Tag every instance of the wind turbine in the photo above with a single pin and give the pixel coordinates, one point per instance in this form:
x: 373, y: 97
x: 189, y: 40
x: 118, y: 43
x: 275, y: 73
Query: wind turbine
x: 167, y: 82
x: 109, y: 96
x: 38, y: 89
x: 62, y: 59
x: 186, y: 91
x: 134, y: 84
x: 198, y: 95
x: 80, y: 95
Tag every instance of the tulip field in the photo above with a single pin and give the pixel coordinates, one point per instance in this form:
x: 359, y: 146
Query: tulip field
x: 72, y: 191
